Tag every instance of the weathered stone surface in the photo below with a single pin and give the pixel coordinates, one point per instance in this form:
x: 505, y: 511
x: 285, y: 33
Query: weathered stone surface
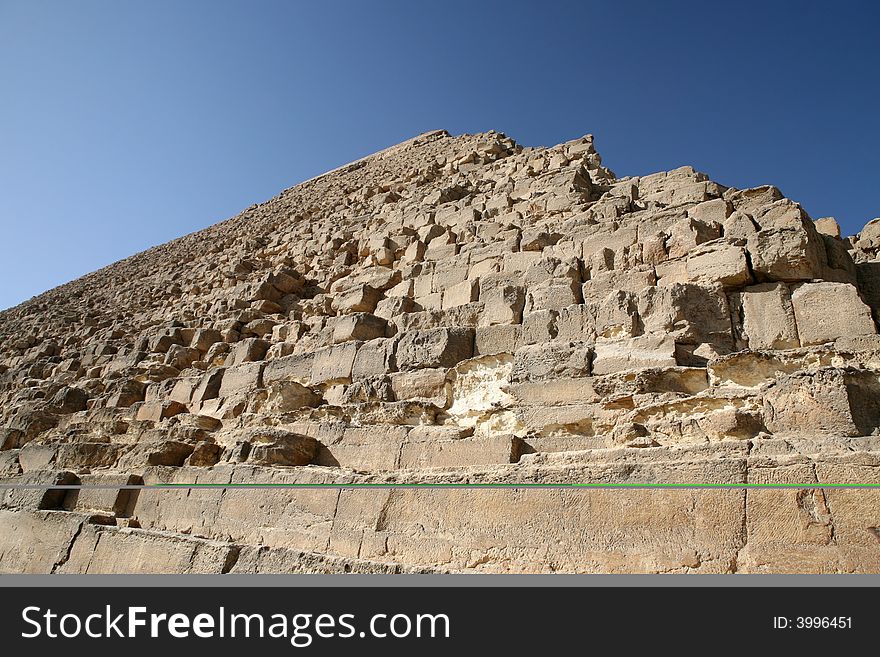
x: 551, y: 360
x: 643, y: 351
x: 787, y: 254
x: 827, y: 400
x: 827, y: 311
x: 721, y: 261
x: 358, y: 326
x: 456, y: 309
x: 286, y: 396
x: 334, y: 364
x: 767, y: 317
x: 428, y: 385
x: 295, y: 367
x: 276, y: 448
x: 360, y: 299
x: 443, y: 347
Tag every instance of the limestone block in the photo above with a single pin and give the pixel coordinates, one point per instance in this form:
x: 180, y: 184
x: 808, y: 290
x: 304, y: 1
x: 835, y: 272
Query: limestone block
x: 827, y: 311
x: 287, y: 396
x: 602, y: 284
x: 281, y: 448
x: 539, y: 326
x: 241, y: 378
x: 131, y: 551
x: 768, y: 320
x: 552, y: 296
x: 334, y: 364
x: 375, y: 358
x: 359, y: 299
x: 461, y: 293
x: 459, y: 453
x: 358, y: 326
x: 439, y: 249
x: 714, y: 211
x: 156, y: 411
x: 754, y: 198
x: 116, y: 502
x: 721, y: 261
x: 691, y: 313
x: 576, y: 322
x: 551, y: 360
x: 643, y: 351
x: 295, y: 367
x: 827, y: 226
x: 826, y: 400
x: 427, y: 385
x: 689, y: 233
x: 787, y: 248
x: 394, y: 307
x: 39, y: 498
x: 126, y: 393
x: 537, y: 239
x: 519, y: 262
x: 443, y: 347
x: 616, y: 316
x: 496, y: 339
x: 503, y: 300
x: 158, y: 452
x: 83, y: 456
x: 36, y: 542
x: 209, y: 386
x: 69, y: 400
x: 247, y: 351
x: 450, y: 272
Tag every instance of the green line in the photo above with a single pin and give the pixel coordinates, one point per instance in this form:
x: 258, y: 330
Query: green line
x: 523, y: 485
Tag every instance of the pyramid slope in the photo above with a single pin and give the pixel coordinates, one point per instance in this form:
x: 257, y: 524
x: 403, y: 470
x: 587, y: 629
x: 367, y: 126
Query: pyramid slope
x: 457, y: 309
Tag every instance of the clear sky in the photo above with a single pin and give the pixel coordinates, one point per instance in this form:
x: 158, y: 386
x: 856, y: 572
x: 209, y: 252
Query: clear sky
x: 126, y: 124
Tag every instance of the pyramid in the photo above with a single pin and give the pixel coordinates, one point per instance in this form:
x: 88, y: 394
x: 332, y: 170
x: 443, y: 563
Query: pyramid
x: 408, y: 363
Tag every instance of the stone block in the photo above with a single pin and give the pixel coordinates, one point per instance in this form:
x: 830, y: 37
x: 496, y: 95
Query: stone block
x: 358, y: 326
x: 295, y: 367
x: 768, y: 320
x: 241, y: 378
x: 642, y: 351
x: 551, y: 360
x: 722, y: 261
x: 334, y: 364
x: 428, y: 385
x: 827, y: 400
x: 247, y: 351
x: 461, y: 294
x: 827, y: 311
x: 443, y: 347
x: 359, y: 299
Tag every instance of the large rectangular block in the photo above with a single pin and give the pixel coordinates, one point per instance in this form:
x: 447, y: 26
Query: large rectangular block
x: 296, y: 367
x: 461, y: 294
x: 827, y: 311
x: 358, y: 326
x: 241, y: 378
x: 551, y: 360
x: 767, y: 317
x: 460, y: 453
x: 427, y: 385
x: 374, y: 359
x: 442, y: 347
x: 334, y: 364
x: 643, y: 351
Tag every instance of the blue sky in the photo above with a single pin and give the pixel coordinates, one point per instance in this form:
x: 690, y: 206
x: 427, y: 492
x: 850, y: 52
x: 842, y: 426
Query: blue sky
x: 124, y: 125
